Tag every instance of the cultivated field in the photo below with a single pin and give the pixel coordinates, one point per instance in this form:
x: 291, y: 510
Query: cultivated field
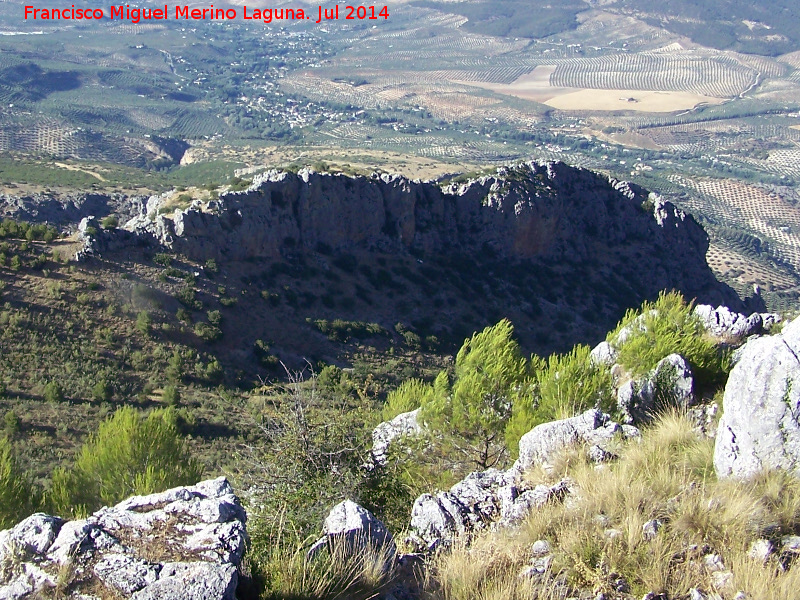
x: 625, y: 100
x: 717, y: 76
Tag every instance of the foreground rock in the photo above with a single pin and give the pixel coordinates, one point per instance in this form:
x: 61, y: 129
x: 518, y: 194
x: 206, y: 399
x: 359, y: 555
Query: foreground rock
x: 670, y: 383
x: 482, y: 500
x: 182, y: 544
x: 351, y: 528
x: 759, y: 429
x: 539, y: 446
x: 496, y: 498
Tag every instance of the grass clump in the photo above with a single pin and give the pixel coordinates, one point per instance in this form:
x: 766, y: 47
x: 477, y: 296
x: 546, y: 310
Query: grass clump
x: 597, y: 538
x: 284, y: 570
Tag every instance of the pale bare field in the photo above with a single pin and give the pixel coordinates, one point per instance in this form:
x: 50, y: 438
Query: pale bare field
x: 531, y: 86
x: 632, y: 100
x: 536, y: 86
x: 414, y: 167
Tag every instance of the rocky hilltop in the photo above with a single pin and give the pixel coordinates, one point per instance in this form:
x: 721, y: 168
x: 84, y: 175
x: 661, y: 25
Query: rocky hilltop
x: 561, y: 251
x: 550, y: 213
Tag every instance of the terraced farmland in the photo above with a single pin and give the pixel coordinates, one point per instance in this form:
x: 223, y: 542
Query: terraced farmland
x: 775, y: 221
x: 717, y: 76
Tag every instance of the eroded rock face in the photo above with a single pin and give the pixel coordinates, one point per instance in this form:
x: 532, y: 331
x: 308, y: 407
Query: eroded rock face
x: 384, y: 434
x: 495, y: 498
x: 185, y: 543
x: 549, y: 212
x: 760, y: 426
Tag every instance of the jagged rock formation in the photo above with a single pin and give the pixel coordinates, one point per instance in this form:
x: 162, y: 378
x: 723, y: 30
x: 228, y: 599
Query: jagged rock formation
x: 481, y: 500
x: 760, y: 425
x: 69, y: 208
x: 185, y: 543
x: 548, y: 212
x: 384, y: 434
x: 723, y: 322
x: 503, y: 498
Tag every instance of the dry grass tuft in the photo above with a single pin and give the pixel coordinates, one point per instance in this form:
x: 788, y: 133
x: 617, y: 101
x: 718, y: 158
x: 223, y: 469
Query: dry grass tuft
x: 597, y: 536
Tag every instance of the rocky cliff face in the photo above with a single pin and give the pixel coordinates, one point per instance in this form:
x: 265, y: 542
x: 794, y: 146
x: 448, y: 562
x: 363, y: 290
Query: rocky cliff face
x: 548, y: 213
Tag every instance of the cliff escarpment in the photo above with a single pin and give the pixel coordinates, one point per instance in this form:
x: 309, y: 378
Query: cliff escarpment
x: 548, y: 214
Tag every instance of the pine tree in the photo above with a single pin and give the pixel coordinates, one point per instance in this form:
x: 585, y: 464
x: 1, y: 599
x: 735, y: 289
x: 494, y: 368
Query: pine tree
x: 128, y: 455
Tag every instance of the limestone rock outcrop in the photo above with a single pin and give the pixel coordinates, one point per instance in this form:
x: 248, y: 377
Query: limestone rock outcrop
x: 724, y: 322
x: 670, y: 383
x: 594, y: 428
x: 550, y: 212
x: 495, y: 498
x: 384, y: 434
x: 760, y: 424
x: 182, y: 544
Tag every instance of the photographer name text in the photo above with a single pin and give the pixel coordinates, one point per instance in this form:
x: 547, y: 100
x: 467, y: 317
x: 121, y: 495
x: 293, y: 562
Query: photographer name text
x: 186, y: 13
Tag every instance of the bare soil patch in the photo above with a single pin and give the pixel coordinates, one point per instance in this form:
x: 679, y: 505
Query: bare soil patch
x: 630, y: 100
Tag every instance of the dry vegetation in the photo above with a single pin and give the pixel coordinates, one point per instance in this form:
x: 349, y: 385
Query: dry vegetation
x: 597, y: 537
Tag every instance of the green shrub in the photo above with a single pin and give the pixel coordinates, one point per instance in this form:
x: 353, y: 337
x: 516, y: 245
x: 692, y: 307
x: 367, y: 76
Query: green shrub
x: 128, y: 455
x: 264, y: 354
x: 15, y: 490
x: 211, y: 266
x: 340, y: 330
x: 186, y: 296
x: 563, y: 385
x: 206, y: 332
x: 102, y: 391
x: 215, y: 318
x: 411, y: 395
x: 143, y: 322
x: 175, y: 366
x: 53, y: 392
x: 162, y: 259
x: 664, y: 327
x: 11, y: 422
x: 109, y: 222
x: 170, y: 395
